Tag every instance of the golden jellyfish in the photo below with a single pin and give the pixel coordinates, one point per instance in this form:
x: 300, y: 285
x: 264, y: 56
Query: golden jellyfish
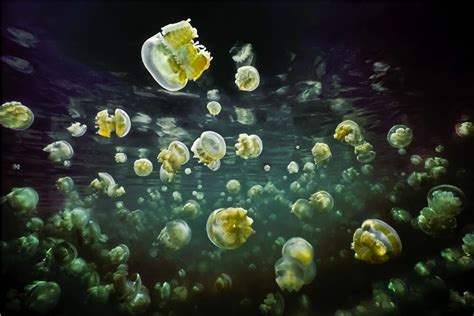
x: 247, y: 78
x: 321, y: 201
x: 376, y: 242
x: 119, y: 122
x: 77, y: 129
x: 321, y: 153
x: 464, y: 129
x: 233, y: 187
x: 229, y: 228
x: 175, y: 235
x: 210, y: 148
x: 59, y: 151
x: 299, y: 249
x: 302, y: 209
x: 400, y: 136
x: 173, y: 58
x: 348, y: 132
x: 143, y: 167
x: 166, y: 176
x: 248, y: 146
x: 105, y: 184
x: 289, y: 274
x: 364, y: 152
x: 293, y: 167
x: 172, y: 158
x: 214, y: 108
x: 16, y: 116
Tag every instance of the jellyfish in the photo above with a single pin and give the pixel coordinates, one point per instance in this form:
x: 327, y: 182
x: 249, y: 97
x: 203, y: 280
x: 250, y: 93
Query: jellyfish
x: 59, y: 151
x: 174, y: 157
x: 289, y: 274
x: 302, y: 209
x: 65, y: 185
x: 247, y: 78
x: 229, y: 228
x: 245, y: 116
x: 120, y: 158
x: 400, y: 136
x: 214, y: 108
x: 80, y: 217
x: 105, y: 184
x: 22, y: 199
x: 213, y: 95
x: 364, y: 152
x: 210, y: 148
x: 293, y: 167
x: 321, y: 153
x: 248, y: 146
x: 233, y: 187
x: 348, y: 132
x: 416, y: 159
x: 376, y: 242
x: 142, y: 167
x: 299, y: 249
x: 175, y: 235
x: 173, y: 58
x: 267, y: 168
x: 19, y: 64
x: 166, y: 176
x: 242, y: 54
x: 191, y: 209
x: 119, y: 122
x: 16, y: 116
x: 223, y: 282
x: 42, y: 296
x: 464, y: 129
x: 77, y: 129
x: 273, y: 305
x: 21, y: 37
x: 119, y: 254
x: 321, y: 201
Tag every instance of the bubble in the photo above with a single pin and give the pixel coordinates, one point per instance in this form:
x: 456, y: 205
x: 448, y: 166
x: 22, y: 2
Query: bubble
x: 187, y: 171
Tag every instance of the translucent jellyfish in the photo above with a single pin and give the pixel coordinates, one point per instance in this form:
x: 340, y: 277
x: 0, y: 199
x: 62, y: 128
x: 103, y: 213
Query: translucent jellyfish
x: 16, y: 116
x: 321, y: 153
x: 119, y: 254
x: 214, y: 108
x: 175, y: 235
x: 348, y: 132
x: 22, y: 199
x: 19, y: 64
x: 273, y: 305
x: 376, y: 242
x: 42, y: 296
x: 229, y: 228
x: 289, y: 274
x: 302, y: 209
x: 77, y: 129
x: 321, y: 201
x: 242, y: 54
x: 416, y: 159
x: 142, y: 167
x: 247, y: 78
x: 299, y: 249
x: 166, y: 176
x: 105, y: 184
x: 80, y: 217
x: 267, y: 168
x: 245, y: 116
x: 173, y: 58
x: 172, y: 158
x: 464, y: 129
x: 248, y: 146
x: 309, y: 167
x: 213, y: 95
x: 119, y: 122
x: 233, y: 187
x: 120, y: 157
x: 191, y: 209
x: 223, y: 282
x: 293, y: 167
x: 21, y: 37
x: 364, y: 152
x: 65, y: 185
x: 59, y: 151
x: 400, y: 136
x: 210, y: 148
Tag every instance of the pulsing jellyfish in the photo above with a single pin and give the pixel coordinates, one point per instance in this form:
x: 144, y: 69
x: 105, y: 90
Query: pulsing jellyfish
x: 229, y: 228
x: 348, y: 132
x: 175, y: 235
x: 321, y: 201
x: 119, y: 122
x: 77, y: 129
x: 143, y: 167
x: 247, y: 78
x: 214, y: 108
x: 60, y: 151
x: 302, y: 209
x: 172, y: 159
x: 376, y: 242
x: 248, y: 146
x: 464, y: 129
x: 105, y: 184
x: 321, y: 153
x: 210, y: 148
x: 400, y: 136
x: 16, y: 116
x: 173, y: 58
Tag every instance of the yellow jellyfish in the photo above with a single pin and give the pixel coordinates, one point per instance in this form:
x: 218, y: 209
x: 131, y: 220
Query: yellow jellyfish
x: 214, y: 108
x: 223, y: 282
x: 233, y: 187
x: 77, y: 129
x: 376, y: 242
x: 348, y: 132
x: 105, y: 184
x: 229, y: 228
x: 120, y: 157
x: 175, y: 235
x: 302, y: 209
x: 59, y: 151
x: 289, y: 274
x: 166, y: 176
x: 321, y: 153
x: 400, y: 136
x: 321, y: 201
x: 16, y: 116
x: 247, y: 78
x: 299, y: 249
x: 119, y: 122
x: 172, y: 158
x: 191, y: 209
x: 210, y: 148
x: 173, y: 58
x: 248, y: 146
x: 142, y: 167
x: 464, y: 129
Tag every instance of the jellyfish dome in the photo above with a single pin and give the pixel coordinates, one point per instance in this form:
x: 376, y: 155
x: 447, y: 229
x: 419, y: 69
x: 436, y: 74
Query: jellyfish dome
x: 302, y: 209
x: 233, y: 187
x: 322, y: 201
x: 400, y: 136
x: 122, y: 123
x: 447, y: 199
x: 214, y: 108
x: 143, y: 167
x: 464, y: 129
x: 16, y: 116
x: 175, y: 235
x: 247, y: 78
x: 59, y: 151
x: 173, y: 58
x: 376, y: 242
x: 348, y: 132
x: 289, y: 274
x: 166, y: 176
x: 22, y: 199
x: 119, y: 122
x: 299, y: 249
x: 229, y: 228
x: 209, y: 148
x: 248, y: 146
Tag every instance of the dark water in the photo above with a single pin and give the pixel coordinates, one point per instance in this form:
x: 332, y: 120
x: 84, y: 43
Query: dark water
x: 85, y: 57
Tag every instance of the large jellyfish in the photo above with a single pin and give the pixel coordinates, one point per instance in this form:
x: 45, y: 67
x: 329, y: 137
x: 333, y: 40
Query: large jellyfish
x: 175, y: 235
x: 119, y: 122
x: 321, y: 201
x: 247, y: 78
x: 376, y: 242
x: 321, y: 153
x: 210, y: 148
x: 16, y: 116
x: 59, y: 151
x: 348, y: 132
x: 289, y: 274
x: 248, y: 146
x: 143, y: 167
x: 22, y: 199
x: 229, y: 228
x: 400, y: 136
x: 173, y: 58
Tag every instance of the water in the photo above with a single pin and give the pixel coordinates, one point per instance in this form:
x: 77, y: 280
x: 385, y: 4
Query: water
x: 378, y: 64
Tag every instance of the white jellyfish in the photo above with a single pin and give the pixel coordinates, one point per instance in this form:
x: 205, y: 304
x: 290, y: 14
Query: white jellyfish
x: 120, y: 157
x: 143, y: 167
x: 400, y: 136
x: 59, y: 151
x: 214, y: 108
x: 247, y: 78
x: 77, y: 129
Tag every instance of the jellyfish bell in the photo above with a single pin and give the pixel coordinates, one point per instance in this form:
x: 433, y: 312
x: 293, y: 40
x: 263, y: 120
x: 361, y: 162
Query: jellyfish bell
x: 77, y: 129
x: 247, y: 78
x: 122, y: 123
x: 321, y: 153
x: 302, y: 209
x: 348, y: 132
x: 447, y: 199
x: 229, y: 228
x: 322, y: 201
x: 299, y: 249
x: 213, y: 145
x: 22, y: 199
x: 175, y: 235
x: 16, y: 116
x: 248, y: 146
x: 59, y: 151
x: 80, y: 217
x: 289, y: 274
x: 143, y: 167
x: 464, y: 129
x: 214, y: 108
x: 400, y: 136
x: 166, y: 176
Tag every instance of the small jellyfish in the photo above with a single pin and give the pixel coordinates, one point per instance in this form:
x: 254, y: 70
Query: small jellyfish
x: 80, y: 217
x: 119, y: 254
x: 321, y: 201
x: 242, y: 54
x: 293, y: 167
x: 21, y: 37
x: 175, y: 235
x: 233, y: 187
x: 120, y: 157
x: 416, y: 160
x: 65, y: 185
x: 321, y: 153
x: 42, y: 296
x: 22, y: 199
x: 267, y: 168
x: 299, y: 249
x: 248, y: 146
x: 210, y: 148
x: 142, y: 167
x: 464, y: 129
x: 59, y: 151
x: 214, y: 108
x: 309, y: 167
x: 213, y: 95
x: 191, y: 209
x: 119, y: 122
x: 223, y: 282
x: 229, y: 228
x: 290, y: 274
x: 105, y: 184
x: 247, y: 78
x: 245, y: 116
x: 273, y: 305
x: 364, y: 152
x: 19, y: 64
x: 16, y: 116
x: 400, y: 136
x: 187, y: 171
x: 173, y: 58
x: 77, y: 129
x: 376, y: 242
x: 172, y: 158
x: 302, y: 209
x: 166, y: 176
x: 348, y: 132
